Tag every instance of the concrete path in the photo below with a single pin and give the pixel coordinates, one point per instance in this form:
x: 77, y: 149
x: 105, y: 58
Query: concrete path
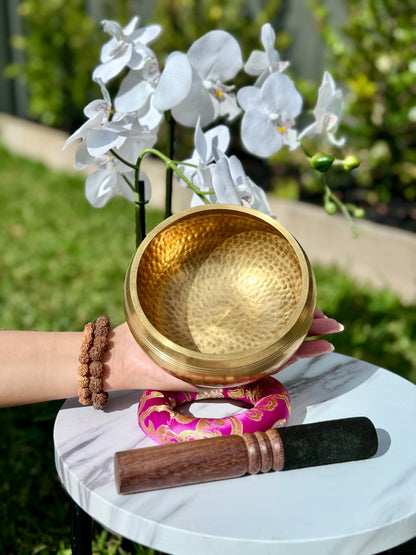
x: 381, y: 255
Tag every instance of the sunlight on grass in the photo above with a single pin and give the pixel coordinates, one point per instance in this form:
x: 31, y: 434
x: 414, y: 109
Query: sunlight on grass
x: 63, y: 261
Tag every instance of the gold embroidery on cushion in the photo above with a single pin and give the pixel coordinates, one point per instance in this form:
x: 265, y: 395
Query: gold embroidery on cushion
x: 236, y: 426
x: 207, y: 423
x: 182, y: 418
x: 167, y: 435
x: 150, y: 394
x: 267, y: 403
x: 237, y: 393
x: 145, y: 414
x: 211, y: 394
x: 254, y: 414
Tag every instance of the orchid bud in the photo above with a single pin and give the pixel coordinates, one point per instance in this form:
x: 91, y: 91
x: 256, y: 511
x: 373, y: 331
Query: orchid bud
x: 359, y: 212
x: 330, y: 207
x: 321, y: 161
x: 351, y: 162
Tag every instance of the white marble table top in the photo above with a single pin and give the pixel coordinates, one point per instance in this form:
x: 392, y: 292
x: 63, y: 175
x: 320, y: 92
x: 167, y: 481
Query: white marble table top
x: 348, y: 508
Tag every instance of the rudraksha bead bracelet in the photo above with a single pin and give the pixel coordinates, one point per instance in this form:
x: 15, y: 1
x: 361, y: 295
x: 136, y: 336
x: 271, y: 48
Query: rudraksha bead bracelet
x: 91, y: 370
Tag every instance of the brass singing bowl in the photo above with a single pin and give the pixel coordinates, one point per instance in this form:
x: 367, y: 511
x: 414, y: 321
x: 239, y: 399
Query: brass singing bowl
x: 219, y: 295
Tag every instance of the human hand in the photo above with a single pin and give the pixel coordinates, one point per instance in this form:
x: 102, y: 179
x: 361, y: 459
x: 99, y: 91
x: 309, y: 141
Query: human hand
x: 131, y: 368
x: 321, y: 325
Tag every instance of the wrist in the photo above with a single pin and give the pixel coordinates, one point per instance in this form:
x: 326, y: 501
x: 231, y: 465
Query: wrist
x: 115, y: 377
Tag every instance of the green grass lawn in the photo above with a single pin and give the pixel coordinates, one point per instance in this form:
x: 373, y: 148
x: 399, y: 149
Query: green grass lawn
x: 63, y: 264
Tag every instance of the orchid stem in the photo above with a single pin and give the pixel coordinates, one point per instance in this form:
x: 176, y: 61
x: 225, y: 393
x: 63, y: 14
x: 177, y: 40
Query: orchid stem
x: 140, y: 203
x: 174, y: 167
x: 139, y: 196
x: 140, y: 214
x: 329, y: 195
x: 129, y: 164
x: 169, y: 170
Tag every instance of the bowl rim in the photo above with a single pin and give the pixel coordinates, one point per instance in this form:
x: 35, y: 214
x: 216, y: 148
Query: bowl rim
x: 188, y: 357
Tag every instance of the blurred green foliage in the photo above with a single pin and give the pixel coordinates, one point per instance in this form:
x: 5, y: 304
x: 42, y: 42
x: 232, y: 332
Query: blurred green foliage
x: 378, y: 327
x: 372, y: 53
x: 184, y: 21
x: 60, y: 43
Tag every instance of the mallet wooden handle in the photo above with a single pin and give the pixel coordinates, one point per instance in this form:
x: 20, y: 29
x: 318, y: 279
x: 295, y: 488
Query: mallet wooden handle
x: 223, y: 457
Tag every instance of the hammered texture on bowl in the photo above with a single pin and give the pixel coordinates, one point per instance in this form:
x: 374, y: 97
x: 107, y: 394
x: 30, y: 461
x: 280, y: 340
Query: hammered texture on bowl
x: 251, y: 285
x: 214, y: 288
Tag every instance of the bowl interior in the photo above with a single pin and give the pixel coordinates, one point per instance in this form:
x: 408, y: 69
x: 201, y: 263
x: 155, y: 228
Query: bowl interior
x: 220, y: 283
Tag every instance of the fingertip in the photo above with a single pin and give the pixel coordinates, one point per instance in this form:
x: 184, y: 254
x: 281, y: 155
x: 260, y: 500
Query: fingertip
x: 319, y: 314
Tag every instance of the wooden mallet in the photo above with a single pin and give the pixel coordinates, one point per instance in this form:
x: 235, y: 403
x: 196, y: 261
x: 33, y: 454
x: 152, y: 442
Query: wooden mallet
x: 219, y: 458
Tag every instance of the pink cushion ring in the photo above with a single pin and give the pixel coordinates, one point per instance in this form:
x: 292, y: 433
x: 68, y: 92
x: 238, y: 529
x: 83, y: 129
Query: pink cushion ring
x: 159, y: 420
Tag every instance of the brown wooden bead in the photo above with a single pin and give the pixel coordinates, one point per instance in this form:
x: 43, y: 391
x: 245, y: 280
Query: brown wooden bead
x: 89, y: 330
x: 98, y: 349
x: 84, y: 358
x: 84, y: 396
x: 102, y: 326
x: 83, y: 370
x: 95, y: 385
x: 87, y: 338
x: 99, y: 400
x: 96, y: 369
x: 83, y: 381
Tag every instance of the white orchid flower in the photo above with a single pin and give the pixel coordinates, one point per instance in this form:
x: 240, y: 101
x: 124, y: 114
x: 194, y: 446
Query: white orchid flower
x: 233, y: 186
x: 202, y: 179
x: 126, y: 48
x: 327, y: 112
x: 136, y: 95
x: 262, y: 64
x: 97, y: 138
x: 269, y: 116
x: 193, y: 85
x: 139, y: 137
x: 98, y: 113
x: 198, y: 168
x: 107, y: 182
x: 138, y: 87
x: 205, y: 144
x: 110, y: 179
x: 98, y: 135
x: 175, y: 81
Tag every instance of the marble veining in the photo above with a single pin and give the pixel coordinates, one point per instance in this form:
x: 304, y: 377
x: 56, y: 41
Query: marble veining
x: 359, y: 507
